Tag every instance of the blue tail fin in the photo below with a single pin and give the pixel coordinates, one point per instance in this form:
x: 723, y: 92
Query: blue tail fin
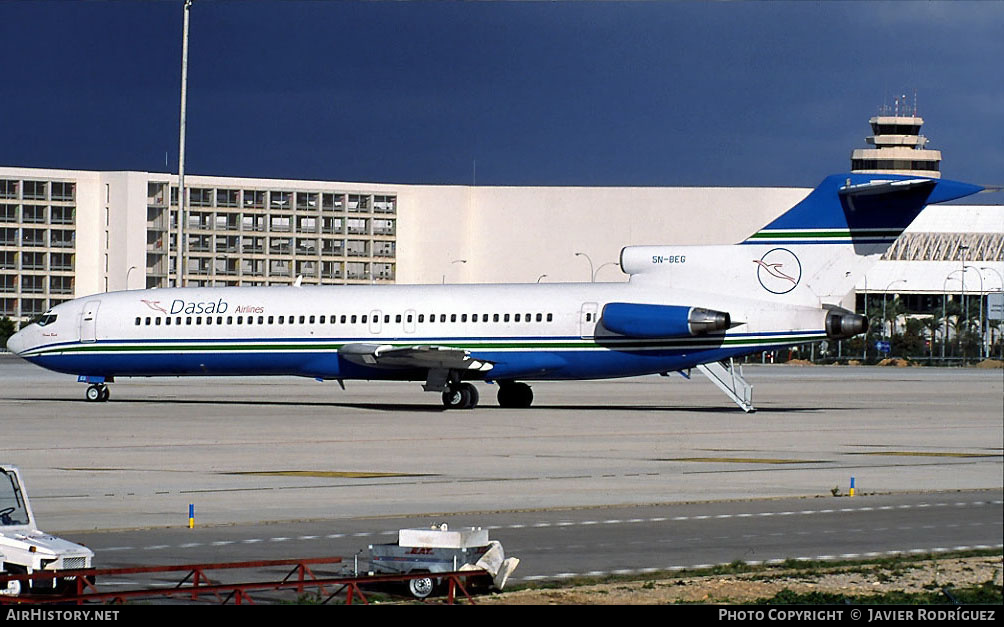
x: 859, y: 209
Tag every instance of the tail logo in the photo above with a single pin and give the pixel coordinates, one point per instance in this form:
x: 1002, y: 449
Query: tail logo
x: 778, y: 271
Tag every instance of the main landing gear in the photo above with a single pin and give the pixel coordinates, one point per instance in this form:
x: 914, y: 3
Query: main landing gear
x: 515, y: 395
x: 460, y: 396
x: 97, y: 393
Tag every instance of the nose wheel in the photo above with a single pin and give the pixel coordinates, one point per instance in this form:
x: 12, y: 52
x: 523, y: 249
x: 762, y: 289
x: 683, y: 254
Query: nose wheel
x: 97, y: 393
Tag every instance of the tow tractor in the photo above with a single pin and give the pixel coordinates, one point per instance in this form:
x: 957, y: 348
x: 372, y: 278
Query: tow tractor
x: 439, y: 550
x: 24, y: 549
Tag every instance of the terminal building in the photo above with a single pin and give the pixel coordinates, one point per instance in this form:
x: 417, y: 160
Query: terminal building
x: 70, y: 233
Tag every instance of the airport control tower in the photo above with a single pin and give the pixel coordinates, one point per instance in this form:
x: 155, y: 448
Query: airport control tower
x: 898, y: 145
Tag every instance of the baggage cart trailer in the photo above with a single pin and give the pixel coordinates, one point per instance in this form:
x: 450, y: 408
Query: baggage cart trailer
x: 440, y: 550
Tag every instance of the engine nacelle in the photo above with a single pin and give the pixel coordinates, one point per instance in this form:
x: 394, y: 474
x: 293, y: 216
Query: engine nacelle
x: 639, y: 320
x: 843, y: 324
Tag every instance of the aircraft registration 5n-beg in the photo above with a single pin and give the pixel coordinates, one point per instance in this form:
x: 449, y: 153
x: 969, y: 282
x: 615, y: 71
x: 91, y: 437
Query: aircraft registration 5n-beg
x: 684, y: 307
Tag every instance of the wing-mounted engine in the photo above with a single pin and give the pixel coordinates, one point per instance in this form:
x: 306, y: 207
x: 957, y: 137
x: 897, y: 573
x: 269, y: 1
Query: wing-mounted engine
x: 651, y: 321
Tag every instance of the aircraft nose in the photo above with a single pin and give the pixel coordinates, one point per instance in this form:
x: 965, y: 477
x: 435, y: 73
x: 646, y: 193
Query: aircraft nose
x: 16, y: 343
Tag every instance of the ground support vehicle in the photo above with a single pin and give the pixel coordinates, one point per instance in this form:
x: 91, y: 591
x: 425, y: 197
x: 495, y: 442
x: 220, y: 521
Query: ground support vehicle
x: 25, y: 550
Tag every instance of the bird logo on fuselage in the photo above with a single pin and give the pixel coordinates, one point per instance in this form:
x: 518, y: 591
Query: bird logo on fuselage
x: 153, y: 304
x: 778, y: 271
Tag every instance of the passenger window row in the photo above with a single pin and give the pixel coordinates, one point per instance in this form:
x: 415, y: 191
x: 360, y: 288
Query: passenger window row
x: 336, y: 319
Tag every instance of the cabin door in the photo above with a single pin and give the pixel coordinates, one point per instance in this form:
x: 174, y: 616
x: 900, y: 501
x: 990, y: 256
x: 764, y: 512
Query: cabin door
x: 88, y: 321
x: 587, y: 320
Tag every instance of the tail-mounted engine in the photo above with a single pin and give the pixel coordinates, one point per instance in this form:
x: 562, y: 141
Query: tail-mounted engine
x: 639, y: 320
x: 841, y: 323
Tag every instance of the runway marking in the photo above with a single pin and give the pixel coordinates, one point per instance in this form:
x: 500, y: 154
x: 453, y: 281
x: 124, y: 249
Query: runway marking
x: 328, y: 474
x: 656, y: 519
x: 771, y: 562
x: 742, y: 460
x: 924, y: 454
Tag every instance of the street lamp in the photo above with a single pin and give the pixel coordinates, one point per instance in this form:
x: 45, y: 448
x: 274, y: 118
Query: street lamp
x: 128, y: 272
x: 864, y: 352
x: 609, y: 263
x: 451, y: 263
x: 590, y: 264
x: 540, y: 277
x: 944, y: 313
x: 980, y: 318
x: 965, y: 303
x: 1001, y: 279
x: 884, y: 295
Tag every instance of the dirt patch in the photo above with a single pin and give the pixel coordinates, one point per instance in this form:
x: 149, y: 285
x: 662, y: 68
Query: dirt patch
x: 921, y: 576
x: 990, y: 363
x: 896, y: 362
x: 799, y: 362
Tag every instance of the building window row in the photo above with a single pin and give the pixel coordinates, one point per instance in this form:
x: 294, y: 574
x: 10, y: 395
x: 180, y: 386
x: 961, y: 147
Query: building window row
x: 58, y: 191
x: 35, y: 284
x: 37, y: 238
x: 894, y: 164
x: 276, y: 199
x: 37, y: 214
x: 59, y: 262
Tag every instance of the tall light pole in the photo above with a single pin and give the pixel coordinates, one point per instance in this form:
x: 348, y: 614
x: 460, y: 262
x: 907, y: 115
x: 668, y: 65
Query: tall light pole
x: 944, y: 312
x: 1000, y: 278
x: 864, y: 352
x: 451, y: 263
x: 540, y: 277
x: 884, y: 295
x: 590, y: 264
x: 603, y: 265
x: 180, y: 282
x: 980, y: 317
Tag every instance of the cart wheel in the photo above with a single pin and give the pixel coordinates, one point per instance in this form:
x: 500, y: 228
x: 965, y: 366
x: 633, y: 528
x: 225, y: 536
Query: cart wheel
x: 421, y: 588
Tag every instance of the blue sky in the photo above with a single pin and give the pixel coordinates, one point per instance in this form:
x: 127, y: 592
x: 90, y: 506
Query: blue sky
x: 549, y: 93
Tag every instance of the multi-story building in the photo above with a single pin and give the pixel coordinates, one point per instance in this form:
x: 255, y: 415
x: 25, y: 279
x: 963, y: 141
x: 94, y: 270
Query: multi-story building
x: 70, y: 233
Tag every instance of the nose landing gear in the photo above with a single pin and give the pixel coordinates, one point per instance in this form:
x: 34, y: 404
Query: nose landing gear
x: 97, y: 393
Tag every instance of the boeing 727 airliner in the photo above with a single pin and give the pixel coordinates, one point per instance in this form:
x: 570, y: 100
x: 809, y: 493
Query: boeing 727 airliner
x: 684, y: 307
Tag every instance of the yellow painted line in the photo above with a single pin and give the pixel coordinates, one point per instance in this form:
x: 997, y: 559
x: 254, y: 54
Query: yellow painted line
x: 925, y: 454
x: 742, y: 460
x: 328, y: 474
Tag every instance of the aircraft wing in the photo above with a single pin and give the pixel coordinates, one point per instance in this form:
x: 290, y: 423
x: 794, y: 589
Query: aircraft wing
x: 419, y: 356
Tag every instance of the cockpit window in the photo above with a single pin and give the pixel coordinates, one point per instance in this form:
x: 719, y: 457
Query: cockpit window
x: 46, y: 318
x: 12, y: 509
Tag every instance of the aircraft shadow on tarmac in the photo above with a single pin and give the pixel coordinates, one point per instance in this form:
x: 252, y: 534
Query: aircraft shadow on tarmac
x: 430, y: 408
